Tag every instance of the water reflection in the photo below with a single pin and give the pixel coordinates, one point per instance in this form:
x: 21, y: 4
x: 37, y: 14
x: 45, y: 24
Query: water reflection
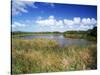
x: 61, y: 39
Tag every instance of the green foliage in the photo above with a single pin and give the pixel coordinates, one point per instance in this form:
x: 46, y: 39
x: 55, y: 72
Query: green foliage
x: 90, y: 34
x: 18, y: 34
x: 93, y: 32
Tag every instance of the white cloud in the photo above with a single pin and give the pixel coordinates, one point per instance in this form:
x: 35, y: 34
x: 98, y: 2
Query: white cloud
x: 68, y: 22
x: 19, y: 7
x: 59, y: 23
x: 47, y: 22
x: 50, y: 22
x: 76, y: 22
x: 88, y: 21
x: 51, y: 17
x: 79, y: 21
x: 17, y: 25
x: 93, y: 21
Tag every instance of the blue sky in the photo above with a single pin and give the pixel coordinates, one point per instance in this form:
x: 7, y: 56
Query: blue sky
x: 40, y: 17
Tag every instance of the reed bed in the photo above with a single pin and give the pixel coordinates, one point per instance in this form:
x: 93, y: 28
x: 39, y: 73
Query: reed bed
x: 45, y: 55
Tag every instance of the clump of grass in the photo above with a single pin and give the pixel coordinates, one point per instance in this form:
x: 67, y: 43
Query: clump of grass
x: 73, y: 35
x: 45, y: 55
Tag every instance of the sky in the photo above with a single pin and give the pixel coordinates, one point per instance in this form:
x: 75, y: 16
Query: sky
x: 31, y: 16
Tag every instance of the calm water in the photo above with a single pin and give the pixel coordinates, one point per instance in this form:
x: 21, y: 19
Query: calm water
x: 61, y: 39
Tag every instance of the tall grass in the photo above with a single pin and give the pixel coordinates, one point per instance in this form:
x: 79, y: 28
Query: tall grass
x: 45, y: 55
x: 81, y: 36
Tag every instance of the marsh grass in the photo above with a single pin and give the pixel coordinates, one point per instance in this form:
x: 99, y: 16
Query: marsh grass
x: 45, y: 55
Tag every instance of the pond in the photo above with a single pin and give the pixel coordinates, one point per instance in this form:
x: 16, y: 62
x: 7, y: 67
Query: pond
x: 61, y: 39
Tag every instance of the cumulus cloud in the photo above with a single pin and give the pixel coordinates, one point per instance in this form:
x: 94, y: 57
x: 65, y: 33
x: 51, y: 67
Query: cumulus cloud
x: 79, y: 21
x: 68, y: 22
x: 46, y: 22
x: 88, y: 21
x: 17, y: 25
x: 76, y: 22
x: 19, y: 7
x: 50, y: 22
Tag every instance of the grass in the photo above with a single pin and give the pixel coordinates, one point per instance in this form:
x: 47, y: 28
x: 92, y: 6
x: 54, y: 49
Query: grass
x: 45, y: 55
x: 73, y: 35
x: 19, y: 34
x: 80, y: 36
